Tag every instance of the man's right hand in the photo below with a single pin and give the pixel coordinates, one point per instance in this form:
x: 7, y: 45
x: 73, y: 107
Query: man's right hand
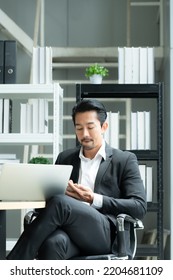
x: 80, y: 192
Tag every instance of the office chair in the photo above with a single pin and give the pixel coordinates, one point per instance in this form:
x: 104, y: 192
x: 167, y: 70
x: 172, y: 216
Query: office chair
x: 125, y: 244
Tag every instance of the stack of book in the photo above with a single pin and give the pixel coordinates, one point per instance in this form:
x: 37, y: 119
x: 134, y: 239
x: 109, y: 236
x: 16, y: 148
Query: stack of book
x: 4, y: 158
x: 147, y: 178
x: 140, y: 130
x: 135, y: 65
x: 5, y: 115
x: 8, y: 50
x: 34, y: 116
x: 111, y: 135
x: 42, y: 65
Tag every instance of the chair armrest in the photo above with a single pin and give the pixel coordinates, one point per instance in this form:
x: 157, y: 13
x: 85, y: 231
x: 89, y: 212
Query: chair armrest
x: 29, y: 217
x: 126, y: 235
x: 121, y: 218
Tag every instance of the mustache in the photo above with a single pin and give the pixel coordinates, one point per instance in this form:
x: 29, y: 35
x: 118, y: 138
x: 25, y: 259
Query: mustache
x: 86, y: 139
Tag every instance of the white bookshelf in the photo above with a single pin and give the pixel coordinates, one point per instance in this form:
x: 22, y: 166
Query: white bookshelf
x: 30, y: 91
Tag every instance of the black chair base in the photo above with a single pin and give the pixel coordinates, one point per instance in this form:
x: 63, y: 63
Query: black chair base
x: 100, y: 257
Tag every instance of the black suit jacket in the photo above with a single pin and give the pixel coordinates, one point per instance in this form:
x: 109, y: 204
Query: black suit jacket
x: 118, y: 180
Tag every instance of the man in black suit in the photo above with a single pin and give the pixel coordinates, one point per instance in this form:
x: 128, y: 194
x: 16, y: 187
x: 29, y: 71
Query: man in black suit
x: 104, y: 182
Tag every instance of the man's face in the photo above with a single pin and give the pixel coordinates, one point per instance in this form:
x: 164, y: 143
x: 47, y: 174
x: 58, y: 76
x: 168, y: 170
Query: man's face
x: 88, y: 130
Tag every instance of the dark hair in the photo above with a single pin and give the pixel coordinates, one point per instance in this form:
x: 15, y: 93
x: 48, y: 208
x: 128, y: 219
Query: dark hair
x: 90, y: 105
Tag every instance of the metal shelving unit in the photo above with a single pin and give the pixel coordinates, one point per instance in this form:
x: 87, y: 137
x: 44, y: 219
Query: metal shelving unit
x: 139, y: 91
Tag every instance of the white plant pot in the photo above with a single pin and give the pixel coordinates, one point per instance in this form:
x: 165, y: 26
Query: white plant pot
x: 96, y: 79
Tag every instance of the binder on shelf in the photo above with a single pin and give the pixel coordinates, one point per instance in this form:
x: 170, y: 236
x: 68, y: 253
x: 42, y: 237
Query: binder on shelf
x: 29, y: 118
x: 142, y: 169
x: 48, y: 67
x: 35, y: 66
x: 150, y: 65
x: 7, y: 116
x: 10, y: 62
x: 133, y: 130
x: 35, y: 110
x: 147, y: 178
x: 135, y: 65
x: 1, y: 115
x: 46, y: 116
x: 147, y: 130
x: 143, y: 65
x: 34, y: 116
x: 114, y: 130
x: 128, y: 65
x: 22, y: 118
x: 42, y: 65
x: 41, y: 111
x: 149, y: 183
x: 42, y: 57
x: 1, y: 62
x: 121, y: 65
x: 140, y: 130
x: 111, y: 135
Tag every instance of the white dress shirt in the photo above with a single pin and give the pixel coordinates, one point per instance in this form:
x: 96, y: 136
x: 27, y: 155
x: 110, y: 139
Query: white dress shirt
x: 88, y: 172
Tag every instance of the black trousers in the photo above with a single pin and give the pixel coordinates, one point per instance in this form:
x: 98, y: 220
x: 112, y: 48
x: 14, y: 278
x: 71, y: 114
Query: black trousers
x: 64, y: 229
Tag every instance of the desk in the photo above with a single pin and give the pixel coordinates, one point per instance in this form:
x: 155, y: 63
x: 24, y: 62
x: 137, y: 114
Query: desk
x: 12, y: 205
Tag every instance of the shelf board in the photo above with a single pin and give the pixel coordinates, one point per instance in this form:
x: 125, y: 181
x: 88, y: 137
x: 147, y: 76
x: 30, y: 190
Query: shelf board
x: 144, y: 250
x: 146, y: 154
x: 26, y: 91
x: 118, y: 90
x: 18, y: 138
x: 74, y: 82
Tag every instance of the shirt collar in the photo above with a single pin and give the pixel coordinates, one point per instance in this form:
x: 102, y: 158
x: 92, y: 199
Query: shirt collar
x: 101, y: 152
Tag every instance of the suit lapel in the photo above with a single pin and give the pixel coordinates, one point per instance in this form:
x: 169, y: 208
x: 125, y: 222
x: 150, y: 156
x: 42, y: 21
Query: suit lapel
x: 76, y: 167
x: 103, y: 166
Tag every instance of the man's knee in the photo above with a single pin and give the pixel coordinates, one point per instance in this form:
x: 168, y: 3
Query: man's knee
x: 61, y: 199
x: 54, y: 247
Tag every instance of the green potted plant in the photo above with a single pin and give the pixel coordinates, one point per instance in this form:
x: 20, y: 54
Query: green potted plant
x: 41, y: 160
x: 95, y: 73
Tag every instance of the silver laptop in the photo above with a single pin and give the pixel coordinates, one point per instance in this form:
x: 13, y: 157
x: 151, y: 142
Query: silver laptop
x: 32, y: 182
